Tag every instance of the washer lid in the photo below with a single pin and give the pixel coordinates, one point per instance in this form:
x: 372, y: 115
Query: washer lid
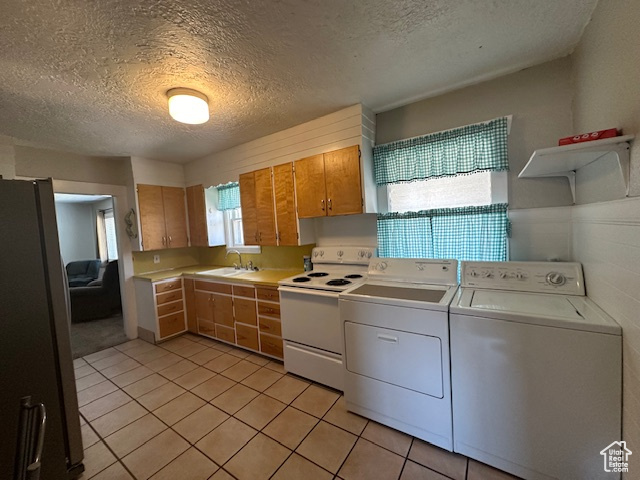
x: 561, y: 311
x: 547, y: 305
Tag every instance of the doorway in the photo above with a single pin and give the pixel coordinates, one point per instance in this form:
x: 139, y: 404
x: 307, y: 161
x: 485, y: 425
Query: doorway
x: 88, y: 247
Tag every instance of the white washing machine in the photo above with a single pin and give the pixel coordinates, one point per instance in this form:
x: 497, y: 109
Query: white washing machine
x: 535, y: 369
x: 396, y: 354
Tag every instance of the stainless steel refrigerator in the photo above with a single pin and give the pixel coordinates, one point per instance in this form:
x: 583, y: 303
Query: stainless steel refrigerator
x: 35, y: 349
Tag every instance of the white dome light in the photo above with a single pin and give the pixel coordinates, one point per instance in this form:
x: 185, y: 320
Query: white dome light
x: 188, y: 106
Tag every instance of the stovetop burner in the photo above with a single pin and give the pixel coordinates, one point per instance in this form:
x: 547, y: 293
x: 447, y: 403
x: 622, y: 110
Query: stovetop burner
x: 301, y: 279
x: 353, y: 275
x: 338, y: 282
x: 318, y: 274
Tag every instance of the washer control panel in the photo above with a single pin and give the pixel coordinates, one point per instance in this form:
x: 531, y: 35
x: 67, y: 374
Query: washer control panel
x: 549, y: 277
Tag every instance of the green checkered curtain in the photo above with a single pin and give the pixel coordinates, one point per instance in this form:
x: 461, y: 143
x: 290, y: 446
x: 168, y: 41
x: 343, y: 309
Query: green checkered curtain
x: 466, y: 233
x: 228, y: 196
x: 474, y: 148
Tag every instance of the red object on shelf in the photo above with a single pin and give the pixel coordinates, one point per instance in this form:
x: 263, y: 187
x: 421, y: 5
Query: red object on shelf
x: 588, y: 137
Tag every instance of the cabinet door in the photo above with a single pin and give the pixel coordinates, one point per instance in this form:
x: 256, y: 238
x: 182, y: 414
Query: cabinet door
x: 203, y: 306
x: 152, y: 224
x: 342, y: 176
x: 247, y: 336
x: 175, y: 217
x: 197, y: 216
x: 285, y: 204
x: 248, y: 204
x: 222, y: 309
x: 310, y: 187
x: 264, y: 207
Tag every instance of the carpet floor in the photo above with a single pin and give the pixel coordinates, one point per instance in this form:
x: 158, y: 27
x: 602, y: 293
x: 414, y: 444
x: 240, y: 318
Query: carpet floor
x: 95, y: 335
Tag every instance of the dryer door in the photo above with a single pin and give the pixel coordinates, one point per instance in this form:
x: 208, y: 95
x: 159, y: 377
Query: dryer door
x: 404, y: 359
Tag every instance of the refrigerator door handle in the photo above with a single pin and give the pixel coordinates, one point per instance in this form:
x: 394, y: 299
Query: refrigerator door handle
x: 33, y: 470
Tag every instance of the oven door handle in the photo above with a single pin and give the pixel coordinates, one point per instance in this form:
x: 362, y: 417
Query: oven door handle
x: 308, y: 291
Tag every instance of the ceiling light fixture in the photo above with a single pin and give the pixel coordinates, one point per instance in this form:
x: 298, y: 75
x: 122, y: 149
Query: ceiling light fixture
x: 188, y: 106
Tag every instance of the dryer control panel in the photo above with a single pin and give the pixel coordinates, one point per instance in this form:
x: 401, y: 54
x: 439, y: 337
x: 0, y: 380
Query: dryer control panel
x: 540, y: 277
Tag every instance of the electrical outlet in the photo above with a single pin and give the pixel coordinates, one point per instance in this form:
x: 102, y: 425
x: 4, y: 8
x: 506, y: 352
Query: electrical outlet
x: 156, y: 259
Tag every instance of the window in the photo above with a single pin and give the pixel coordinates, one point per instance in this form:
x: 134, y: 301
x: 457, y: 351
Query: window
x: 229, y: 204
x: 110, y: 231
x: 446, y: 194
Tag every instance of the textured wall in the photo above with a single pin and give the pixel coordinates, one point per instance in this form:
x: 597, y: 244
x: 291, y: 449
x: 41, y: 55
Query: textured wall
x: 539, y: 98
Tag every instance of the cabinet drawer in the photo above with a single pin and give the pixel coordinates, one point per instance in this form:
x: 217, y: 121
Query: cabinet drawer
x: 225, y: 333
x: 171, y: 324
x: 269, y: 309
x: 270, y: 325
x: 240, y: 291
x: 171, y: 296
x: 167, y: 308
x: 245, y: 310
x: 206, y: 328
x: 213, y: 287
x: 268, y: 293
x: 166, y: 286
x: 247, y: 336
x: 271, y: 345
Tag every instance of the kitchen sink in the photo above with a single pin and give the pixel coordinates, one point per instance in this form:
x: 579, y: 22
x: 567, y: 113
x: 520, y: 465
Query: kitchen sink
x: 224, y: 272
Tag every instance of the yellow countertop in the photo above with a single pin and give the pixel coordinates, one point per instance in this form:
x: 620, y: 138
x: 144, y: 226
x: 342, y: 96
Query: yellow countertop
x: 261, y: 277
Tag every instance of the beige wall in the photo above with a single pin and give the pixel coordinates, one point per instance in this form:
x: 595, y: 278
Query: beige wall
x: 607, y: 92
x: 34, y: 162
x: 605, y: 235
x: 539, y: 98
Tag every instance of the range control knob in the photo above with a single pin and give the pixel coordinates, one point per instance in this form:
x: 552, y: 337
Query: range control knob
x: 504, y: 275
x: 473, y: 274
x: 368, y: 254
x: 556, y: 279
x: 340, y: 253
x: 381, y: 266
x: 487, y: 274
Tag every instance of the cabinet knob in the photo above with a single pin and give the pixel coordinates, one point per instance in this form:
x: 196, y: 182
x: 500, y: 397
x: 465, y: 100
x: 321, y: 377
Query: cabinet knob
x: 322, y: 202
x: 329, y: 202
x: 164, y: 240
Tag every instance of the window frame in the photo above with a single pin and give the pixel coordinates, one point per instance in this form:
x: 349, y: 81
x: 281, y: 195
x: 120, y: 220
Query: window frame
x: 230, y: 217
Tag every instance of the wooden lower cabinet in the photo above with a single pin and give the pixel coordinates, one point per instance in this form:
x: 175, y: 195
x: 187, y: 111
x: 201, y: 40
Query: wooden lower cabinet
x: 247, y: 336
x: 242, y: 315
x: 161, y: 308
x: 271, y: 345
x: 225, y: 333
x: 190, y: 305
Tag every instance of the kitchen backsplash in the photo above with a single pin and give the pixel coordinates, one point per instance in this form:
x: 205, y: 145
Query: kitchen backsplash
x: 271, y: 257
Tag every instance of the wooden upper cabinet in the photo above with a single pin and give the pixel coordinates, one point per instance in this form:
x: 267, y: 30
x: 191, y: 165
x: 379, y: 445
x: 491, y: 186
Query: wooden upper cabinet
x: 310, y: 187
x: 329, y: 184
x: 248, y: 205
x: 163, y: 218
x: 342, y: 179
x: 285, y: 204
x: 197, y: 211
x: 175, y: 217
x: 264, y: 207
x: 152, y: 224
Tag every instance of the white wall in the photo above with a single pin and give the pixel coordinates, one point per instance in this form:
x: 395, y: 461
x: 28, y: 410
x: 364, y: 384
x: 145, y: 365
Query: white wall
x: 540, y: 234
x: 77, y: 231
x: 7, y: 158
x: 606, y: 236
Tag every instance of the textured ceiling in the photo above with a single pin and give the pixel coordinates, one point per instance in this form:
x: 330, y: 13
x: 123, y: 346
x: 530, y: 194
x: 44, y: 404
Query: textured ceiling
x: 91, y: 77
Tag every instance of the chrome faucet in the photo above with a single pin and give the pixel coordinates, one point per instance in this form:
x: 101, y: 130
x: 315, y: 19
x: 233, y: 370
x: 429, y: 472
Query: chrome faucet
x: 238, y: 267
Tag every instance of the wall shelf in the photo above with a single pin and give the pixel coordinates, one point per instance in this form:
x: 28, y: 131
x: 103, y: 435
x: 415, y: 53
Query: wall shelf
x: 563, y: 161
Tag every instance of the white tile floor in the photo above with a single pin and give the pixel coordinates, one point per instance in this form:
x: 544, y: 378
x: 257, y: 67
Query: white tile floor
x: 193, y: 408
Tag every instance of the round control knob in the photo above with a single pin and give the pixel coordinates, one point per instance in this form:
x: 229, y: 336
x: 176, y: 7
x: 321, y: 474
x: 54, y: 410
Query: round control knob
x: 504, y: 275
x: 556, y: 279
x: 340, y: 253
x: 487, y: 275
x: 381, y: 266
x: 473, y: 273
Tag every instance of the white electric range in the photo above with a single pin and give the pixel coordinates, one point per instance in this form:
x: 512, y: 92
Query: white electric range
x: 310, y: 315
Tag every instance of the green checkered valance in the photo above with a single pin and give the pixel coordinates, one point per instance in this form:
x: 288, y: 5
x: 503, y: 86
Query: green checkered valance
x: 228, y: 196
x: 466, y: 233
x: 474, y: 148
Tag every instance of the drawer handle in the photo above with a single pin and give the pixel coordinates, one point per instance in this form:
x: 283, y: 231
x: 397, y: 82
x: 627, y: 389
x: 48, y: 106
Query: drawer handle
x: 387, y: 338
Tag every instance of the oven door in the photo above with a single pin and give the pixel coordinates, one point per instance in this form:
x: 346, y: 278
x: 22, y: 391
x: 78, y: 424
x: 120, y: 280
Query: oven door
x: 311, y: 317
